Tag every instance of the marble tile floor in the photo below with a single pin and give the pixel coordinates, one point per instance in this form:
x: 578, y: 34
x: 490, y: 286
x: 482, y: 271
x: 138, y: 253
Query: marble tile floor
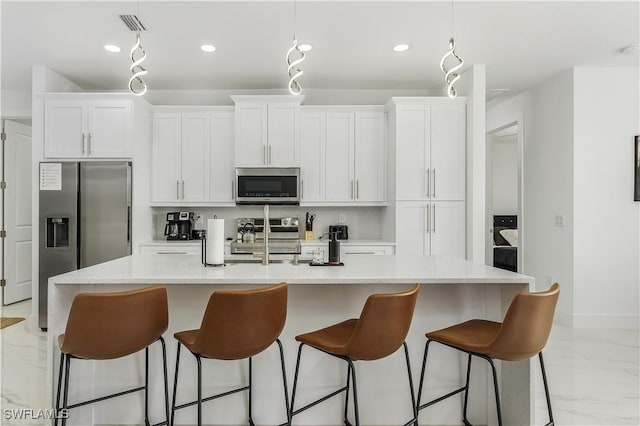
x: 593, y: 374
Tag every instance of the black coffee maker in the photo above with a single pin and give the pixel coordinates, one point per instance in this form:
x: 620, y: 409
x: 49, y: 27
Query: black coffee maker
x: 178, y: 226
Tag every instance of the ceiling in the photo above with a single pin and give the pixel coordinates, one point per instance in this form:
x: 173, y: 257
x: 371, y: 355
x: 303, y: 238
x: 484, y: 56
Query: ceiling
x: 521, y: 43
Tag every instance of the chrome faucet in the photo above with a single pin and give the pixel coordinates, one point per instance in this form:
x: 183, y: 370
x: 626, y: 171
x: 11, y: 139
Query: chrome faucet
x: 266, y: 231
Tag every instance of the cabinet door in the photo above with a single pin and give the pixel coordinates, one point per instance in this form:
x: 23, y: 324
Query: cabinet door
x: 283, y: 148
x: 312, y: 155
x: 412, y: 152
x: 447, y: 228
x: 65, y: 129
x: 166, y: 157
x: 109, y: 129
x: 339, y: 181
x: 448, y: 152
x: 221, y: 163
x: 196, y: 129
x: 251, y: 135
x: 370, y: 157
x: 411, y: 228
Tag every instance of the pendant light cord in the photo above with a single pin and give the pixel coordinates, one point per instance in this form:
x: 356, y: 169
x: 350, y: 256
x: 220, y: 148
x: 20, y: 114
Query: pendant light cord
x: 451, y: 18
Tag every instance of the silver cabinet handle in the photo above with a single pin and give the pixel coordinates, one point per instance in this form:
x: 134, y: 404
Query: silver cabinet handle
x: 269, y: 162
x: 177, y: 190
x: 264, y: 154
x: 359, y: 252
x: 433, y: 194
x: 428, y: 221
x: 83, y: 143
x: 351, y: 196
x: 357, y: 188
x: 171, y: 252
x: 89, y: 145
x: 182, y: 197
x: 427, y: 183
x: 434, y: 218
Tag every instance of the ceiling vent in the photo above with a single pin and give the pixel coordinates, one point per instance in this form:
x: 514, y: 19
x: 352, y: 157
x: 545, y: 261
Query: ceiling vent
x: 134, y: 23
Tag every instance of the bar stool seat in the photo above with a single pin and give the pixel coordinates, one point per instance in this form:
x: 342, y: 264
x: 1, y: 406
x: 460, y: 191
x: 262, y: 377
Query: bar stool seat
x: 104, y: 326
x: 379, y: 332
x: 522, y: 335
x: 236, y: 325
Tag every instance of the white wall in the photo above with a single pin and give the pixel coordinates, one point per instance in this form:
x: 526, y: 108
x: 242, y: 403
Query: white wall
x: 504, y: 174
x: 578, y: 145
x: 606, y: 219
x: 547, y: 112
x: 15, y: 103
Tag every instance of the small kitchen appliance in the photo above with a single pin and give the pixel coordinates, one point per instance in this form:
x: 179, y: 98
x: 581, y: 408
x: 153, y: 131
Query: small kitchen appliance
x: 179, y: 226
x: 334, y: 249
x: 342, y: 231
x: 267, y: 185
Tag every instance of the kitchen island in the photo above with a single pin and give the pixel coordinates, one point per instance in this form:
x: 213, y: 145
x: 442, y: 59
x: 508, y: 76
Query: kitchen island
x: 452, y: 290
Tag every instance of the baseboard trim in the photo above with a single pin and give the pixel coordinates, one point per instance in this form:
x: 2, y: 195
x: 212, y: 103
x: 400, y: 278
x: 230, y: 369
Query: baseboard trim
x: 598, y: 321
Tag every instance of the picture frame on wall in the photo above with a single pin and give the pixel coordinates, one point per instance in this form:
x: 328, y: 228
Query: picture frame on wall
x: 636, y: 168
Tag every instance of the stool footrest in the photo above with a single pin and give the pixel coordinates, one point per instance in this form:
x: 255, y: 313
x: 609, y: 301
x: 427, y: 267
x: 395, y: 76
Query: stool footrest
x: 450, y: 394
x: 316, y: 402
x: 209, y: 398
x: 115, y: 395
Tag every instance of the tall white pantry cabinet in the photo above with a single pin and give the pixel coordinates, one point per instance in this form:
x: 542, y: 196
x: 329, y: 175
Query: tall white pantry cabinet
x: 429, y: 135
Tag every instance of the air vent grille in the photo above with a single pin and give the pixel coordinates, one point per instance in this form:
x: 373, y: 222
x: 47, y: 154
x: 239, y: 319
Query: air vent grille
x: 134, y: 23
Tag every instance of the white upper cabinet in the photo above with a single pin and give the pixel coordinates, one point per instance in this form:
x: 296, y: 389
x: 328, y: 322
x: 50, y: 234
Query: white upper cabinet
x: 267, y: 131
x: 194, y: 181
x: 88, y: 128
x: 430, y: 150
x: 343, y: 156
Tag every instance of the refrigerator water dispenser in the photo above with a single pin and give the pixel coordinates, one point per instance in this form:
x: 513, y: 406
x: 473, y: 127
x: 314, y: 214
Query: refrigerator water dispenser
x: 57, y: 232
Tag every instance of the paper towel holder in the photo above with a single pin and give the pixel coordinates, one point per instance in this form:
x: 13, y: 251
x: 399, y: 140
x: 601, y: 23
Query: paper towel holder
x: 204, y: 254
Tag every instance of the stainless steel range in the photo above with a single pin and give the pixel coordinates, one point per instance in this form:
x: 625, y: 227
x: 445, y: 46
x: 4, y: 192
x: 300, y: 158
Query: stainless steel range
x: 284, y: 236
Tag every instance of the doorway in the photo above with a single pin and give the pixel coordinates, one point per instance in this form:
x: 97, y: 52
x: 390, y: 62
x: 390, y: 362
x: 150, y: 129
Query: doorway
x: 16, y: 212
x: 504, y: 197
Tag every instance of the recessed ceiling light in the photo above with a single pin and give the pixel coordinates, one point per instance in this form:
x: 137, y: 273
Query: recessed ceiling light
x: 400, y: 47
x: 305, y: 47
x: 630, y: 50
x: 111, y: 48
x: 208, y: 48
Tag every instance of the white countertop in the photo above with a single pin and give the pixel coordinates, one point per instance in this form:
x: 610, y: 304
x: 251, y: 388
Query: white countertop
x: 392, y: 269
x: 368, y: 242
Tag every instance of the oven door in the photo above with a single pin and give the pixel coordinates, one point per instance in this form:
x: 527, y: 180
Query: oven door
x: 268, y: 185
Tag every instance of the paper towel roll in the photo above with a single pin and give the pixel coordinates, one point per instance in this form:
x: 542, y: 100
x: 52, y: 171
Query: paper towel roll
x: 215, y: 241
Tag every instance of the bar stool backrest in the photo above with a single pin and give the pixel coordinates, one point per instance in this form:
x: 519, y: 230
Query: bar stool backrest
x: 526, y: 326
x: 112, y: 325
x: 241, y: 324
x: 383, y: 325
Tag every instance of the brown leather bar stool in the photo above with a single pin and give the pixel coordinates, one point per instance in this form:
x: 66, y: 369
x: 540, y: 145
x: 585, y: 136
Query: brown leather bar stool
x: 104, y: 326
x: 380, y: 331
x: 236, y: 325
x: 522, y: 335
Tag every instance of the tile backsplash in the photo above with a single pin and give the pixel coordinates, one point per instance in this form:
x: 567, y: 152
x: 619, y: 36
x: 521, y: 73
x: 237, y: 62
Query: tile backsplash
x: 363, y: 222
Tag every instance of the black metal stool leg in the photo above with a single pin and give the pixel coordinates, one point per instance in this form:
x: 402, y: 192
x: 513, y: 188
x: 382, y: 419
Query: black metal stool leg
x: 250, y: 418
x: 55, y: 421
x: 284, y: 381
x: 465, y: 420
x: 495, y: 386
x: 355, y: 392
x: 413, y: 396
x: 166, y: 380
x: 424, y: 366
x: 546, y: 390
x: 175, y: 386
x: 295, y: 382
x: 346, y: 397
x: 66, y: 387
x: 146, y: 386
x: 199, y: 390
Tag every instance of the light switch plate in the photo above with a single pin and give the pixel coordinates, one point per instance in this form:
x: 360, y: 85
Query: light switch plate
x: 342, y: 218
x: 560, y: 221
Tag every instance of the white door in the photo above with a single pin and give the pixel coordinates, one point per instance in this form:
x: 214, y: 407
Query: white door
x: 447, y: 179
x: 165, y: 157
x: 412, y: 152
x: 283, y: 149
x: 312, y: 156
x: 17, y: 213
x: 370, y: 163
x: 221, y: 180
x: 411, y: 232
x: 196, y: 129
x: 447, y: 228
x: 339, y: 183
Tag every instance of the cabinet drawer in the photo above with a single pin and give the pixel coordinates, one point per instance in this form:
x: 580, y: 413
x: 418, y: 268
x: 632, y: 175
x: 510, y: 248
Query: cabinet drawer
x: 171, y: 249
x: 365, y: 249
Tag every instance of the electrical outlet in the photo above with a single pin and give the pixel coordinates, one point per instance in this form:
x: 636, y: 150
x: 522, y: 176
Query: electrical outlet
x: 559, y: 221
x: 342, y: 218
x: 199, y: 220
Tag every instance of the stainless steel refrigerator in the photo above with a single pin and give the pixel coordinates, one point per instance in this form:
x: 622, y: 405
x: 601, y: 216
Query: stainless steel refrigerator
x: 85, y: 218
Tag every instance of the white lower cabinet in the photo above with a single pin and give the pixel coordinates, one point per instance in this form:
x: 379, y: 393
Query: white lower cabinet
x: 308, y: 251
x: 436, y: 228
x: 171, y: 248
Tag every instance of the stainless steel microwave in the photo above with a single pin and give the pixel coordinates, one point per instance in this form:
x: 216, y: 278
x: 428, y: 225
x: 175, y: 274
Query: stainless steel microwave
x: 264, y: 185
